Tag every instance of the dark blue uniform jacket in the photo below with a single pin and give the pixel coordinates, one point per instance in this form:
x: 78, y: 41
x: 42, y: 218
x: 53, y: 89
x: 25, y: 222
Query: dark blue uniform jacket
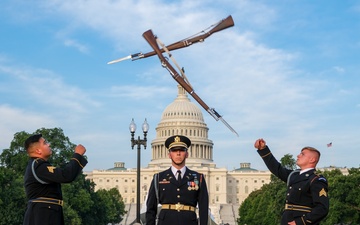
x: 191, y: 192
x: 307, y: 199
x: 42, y: 180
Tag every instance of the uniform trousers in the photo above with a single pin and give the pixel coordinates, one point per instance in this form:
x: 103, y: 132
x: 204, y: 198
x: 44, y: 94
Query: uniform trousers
x: 38, y: 213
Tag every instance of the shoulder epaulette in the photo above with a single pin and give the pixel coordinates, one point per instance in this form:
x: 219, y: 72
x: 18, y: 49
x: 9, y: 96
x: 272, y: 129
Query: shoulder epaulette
x: 319, y: 177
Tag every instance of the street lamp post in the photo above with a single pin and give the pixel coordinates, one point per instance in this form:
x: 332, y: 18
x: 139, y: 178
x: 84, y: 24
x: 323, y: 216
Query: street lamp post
x: 138, y: 142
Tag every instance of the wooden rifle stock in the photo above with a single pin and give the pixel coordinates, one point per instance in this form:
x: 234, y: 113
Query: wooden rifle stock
x: 151, y: 39
x: 223, y: 24
x: 181, y: 79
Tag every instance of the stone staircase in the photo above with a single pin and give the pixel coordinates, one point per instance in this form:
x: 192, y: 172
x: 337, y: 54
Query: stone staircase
x: 228, y: 214
x: 130, y: 216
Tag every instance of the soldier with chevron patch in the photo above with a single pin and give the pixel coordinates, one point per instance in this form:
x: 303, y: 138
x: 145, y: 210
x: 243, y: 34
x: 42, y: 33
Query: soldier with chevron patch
x: 307, y: 200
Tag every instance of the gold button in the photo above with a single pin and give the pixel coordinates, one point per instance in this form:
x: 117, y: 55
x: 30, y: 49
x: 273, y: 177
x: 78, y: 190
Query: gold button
x: 178, y: 196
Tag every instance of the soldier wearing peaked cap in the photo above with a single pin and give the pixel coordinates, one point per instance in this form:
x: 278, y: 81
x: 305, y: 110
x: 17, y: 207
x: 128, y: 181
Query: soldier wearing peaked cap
x: 307, y: 200
x: 178, y: 189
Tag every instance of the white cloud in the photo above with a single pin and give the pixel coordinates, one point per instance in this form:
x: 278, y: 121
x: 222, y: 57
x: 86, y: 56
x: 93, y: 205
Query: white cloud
x: 47, y: 89
x: 73, y: 43
x: 15, y: 120
x: 339, y: 69
x: 260, y: 89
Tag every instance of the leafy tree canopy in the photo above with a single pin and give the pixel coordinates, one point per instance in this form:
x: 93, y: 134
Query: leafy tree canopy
x: 265, y: 206
x: 82, y: 204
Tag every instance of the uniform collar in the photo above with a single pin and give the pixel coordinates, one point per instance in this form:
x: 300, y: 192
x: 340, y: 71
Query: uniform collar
x: 306, y: 170
x: 174, y: 170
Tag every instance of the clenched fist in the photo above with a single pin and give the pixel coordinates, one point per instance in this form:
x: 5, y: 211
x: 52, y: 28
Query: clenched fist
x: 80, y: 149
x: 260, y: 144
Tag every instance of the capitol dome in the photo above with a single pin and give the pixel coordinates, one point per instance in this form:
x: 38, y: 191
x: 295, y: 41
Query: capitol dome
x: 183, y: 117
x: 182, y: 109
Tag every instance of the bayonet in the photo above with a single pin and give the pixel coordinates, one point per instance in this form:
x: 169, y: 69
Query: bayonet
x: 221, y: 25
x: 180, y: 78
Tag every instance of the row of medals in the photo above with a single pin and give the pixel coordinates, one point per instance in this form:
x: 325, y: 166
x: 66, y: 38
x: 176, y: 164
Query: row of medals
x: 193, y: 185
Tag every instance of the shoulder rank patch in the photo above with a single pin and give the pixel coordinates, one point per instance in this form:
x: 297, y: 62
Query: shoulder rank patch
x: 322, y: 193
x: 51, y: 169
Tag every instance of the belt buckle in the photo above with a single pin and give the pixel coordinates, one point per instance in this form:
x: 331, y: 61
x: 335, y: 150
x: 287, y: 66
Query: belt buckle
x: 179, y: 207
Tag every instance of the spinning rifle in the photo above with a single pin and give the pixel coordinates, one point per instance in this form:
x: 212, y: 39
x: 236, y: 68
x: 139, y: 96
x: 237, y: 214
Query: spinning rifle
x: 180, y: 78
x: 154, y: 42
x: 223, y: 24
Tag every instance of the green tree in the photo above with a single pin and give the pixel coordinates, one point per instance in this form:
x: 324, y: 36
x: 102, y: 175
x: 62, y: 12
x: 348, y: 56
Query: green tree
x: 15, y: 157
x: 12, y: 197
x: 113, y: 207
x: 79, y: 196
x: 264, y: 206
x: 344, y: 195
x: 288, y: 162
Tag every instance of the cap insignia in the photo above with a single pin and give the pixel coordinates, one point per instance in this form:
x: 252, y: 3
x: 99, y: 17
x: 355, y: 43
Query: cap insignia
x: 177, y: 139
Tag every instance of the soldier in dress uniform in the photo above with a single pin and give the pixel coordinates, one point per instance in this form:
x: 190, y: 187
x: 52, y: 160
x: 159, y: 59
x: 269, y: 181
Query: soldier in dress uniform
x: 307, y: 200
x: 179, y: 190
x: 43, y: 182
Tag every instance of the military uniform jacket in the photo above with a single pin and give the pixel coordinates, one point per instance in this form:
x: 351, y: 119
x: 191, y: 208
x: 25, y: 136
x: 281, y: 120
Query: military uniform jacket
x: 307, y: 199
x: 192, y: 191
x: 42, y: 180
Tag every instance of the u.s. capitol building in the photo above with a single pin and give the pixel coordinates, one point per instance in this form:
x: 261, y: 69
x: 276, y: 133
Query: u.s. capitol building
x: 227, y: 189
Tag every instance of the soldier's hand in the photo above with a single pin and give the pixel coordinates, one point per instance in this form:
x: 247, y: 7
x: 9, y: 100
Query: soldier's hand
x: 80, y: 149
x: 260, y: 144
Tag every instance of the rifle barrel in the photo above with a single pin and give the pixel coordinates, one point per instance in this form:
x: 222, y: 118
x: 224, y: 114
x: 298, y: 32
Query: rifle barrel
x: 223, y: 24
x: 151, y: 39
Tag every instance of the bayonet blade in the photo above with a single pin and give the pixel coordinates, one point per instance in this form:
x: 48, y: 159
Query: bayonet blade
x: 119, y: 60
x: 228, y: 126
x: 132, y: 57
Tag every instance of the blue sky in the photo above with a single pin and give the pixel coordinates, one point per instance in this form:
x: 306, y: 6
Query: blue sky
x: 288, y: 71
